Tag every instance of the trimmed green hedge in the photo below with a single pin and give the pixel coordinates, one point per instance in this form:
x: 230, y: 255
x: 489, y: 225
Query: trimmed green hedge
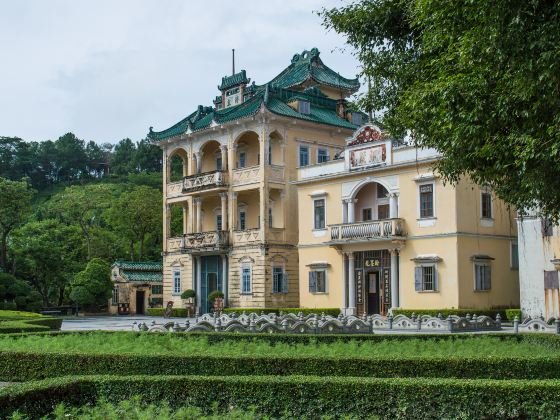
x: 175, y: 312
x: 512, y: 313
x: 29, y: 324
x: 459, y: 312
x: 19, y: 315
x: 304, y: 311
x: 300, y: 396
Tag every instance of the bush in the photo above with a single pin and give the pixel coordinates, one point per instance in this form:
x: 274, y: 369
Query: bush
x: 446, y: 312
x: 8, y: 306
x: 512, y: 313
x: 19, y: 321
x: 215, y: 295
x: 19, y: 326
x: 299, y: 396
x: 175, y: 312
x: 188, y: 294
x: 305, y: 311
x: 18, y: 315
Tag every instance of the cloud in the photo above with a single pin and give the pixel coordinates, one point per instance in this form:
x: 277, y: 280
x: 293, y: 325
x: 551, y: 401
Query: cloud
x: 106, y: 70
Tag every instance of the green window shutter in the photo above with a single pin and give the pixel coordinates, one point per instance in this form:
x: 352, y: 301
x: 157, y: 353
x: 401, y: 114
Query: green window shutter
x: 436, y: 279
x: 312, y: 282
x: 285, y: 282
x: 418, y: 279
x: 487, y: 277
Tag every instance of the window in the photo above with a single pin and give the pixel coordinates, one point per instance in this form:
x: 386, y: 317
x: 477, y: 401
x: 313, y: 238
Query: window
x: 546, y: 227
x: 242, y: 220
x: 218, y: 222
x: 426, y: 278
x: 486, y: 204
x: 157, y: 289
x: 270, y: 217
x: 482, y: 276
x: 317, y: 281
x: 426, y: 200
x: 366, y: 215
x: 269, y: 153
x: 304, y: 107
x: 383, y: 211
x: 219, y: 163
x: 176, y: 282
x: 382, y: 191
x: 357, y: 118
x: 514, y: 256
x: 319, y: 214
x: 303, y: 155
x: 246, y: 279
x: 322, y: 155
x: 242, y: 159
x: 279, y: 280
x: 115, y: 296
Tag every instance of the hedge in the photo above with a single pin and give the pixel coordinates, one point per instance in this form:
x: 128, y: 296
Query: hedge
x: 300, y: 396
x: 459, y: 312
x: 512, y: 313
x: 304, y: 311
x: 37, y: 323
x: 19, y: 315
x: 175, y: 312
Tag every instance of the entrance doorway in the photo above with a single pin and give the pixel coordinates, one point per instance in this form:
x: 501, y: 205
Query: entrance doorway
x: 140, y: 294
x: 211, y: 279
x: 373, y: 293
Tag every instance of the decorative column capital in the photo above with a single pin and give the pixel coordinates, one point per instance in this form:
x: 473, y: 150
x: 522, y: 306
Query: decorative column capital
x: 234, y: 195
x: 349, y: 255
x: 223, y: 195
x: 350, y: 200
x: 223, y: 148
x: 394, y: 194
x: 197, y: 200
x: 394, y: 252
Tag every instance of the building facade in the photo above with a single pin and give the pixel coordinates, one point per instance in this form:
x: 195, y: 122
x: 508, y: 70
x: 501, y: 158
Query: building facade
x: 230, y: 205
x: 539, y: 265
x: 378, y: 229
x: 136, y: 287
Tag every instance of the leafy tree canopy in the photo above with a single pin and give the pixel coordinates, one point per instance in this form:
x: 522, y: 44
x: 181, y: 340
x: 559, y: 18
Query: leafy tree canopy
x: 93, y: 285
x: 477, y: 80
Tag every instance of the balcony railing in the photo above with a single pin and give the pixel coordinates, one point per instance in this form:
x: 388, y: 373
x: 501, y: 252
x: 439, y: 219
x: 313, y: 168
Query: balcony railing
x: 174, y: 189
x: 204, y: 181
x: 276, y: 173
x: 244, y: 176
x: 374, y: 229
x: 248, y: 236
x: 204, y: 240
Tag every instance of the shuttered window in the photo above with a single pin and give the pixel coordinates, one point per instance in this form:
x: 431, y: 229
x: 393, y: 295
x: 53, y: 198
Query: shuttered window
x: 176, y: 282
x: 426, y: 201
x: 426, y: 278
x: 279, y: 280
x: 483, y: 276
x: 317, y: 281
x: 246, y: 279
x: 319, y: 214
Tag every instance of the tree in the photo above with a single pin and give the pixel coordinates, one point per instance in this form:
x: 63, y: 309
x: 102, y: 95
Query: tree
x: 148, y: 157
x: 20, y: 292
x: 122, y: 161
x: 478, y: 81
x: 48, y: 254
x: 135, y: 214
x: 15, y: 200
x: 93, y: 285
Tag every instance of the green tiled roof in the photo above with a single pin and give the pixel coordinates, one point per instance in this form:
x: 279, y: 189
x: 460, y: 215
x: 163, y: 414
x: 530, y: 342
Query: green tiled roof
x: 275, y: 96
x: 146, y: 271
x: 233, y: 80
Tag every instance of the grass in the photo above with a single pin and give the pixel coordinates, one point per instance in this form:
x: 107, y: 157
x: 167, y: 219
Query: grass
x: 167, y: 344
x: 12, y: 315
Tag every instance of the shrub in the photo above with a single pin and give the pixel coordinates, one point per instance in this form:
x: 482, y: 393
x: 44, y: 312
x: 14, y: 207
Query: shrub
x: 188, y: 294
x: 446, y: 312
x: 19, y: 321
x: 512, y: 313
x: 18, y: 315
x: 8, y: 306
x: 175, y: 312
x: 305, y: 311
x: 215, y: 295
x: 19, y: 326
x: 299, y: 397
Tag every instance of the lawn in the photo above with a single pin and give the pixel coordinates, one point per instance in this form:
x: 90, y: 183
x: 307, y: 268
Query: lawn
x: 479, y: 346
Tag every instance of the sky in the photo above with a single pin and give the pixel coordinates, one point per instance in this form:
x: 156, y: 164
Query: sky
x: 107, y: 69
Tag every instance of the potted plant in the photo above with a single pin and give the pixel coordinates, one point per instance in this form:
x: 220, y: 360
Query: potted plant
x: 216, y: 299
x: 188, y: 298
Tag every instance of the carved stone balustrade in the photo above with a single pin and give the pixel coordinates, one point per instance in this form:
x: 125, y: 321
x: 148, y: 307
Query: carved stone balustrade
x: 276, y: 173
x: 246, y: 237
x: 245, y: 176
x: 373, y: 229
x: 204, y: 241
x: 205, y: 181
x: 174, y: 189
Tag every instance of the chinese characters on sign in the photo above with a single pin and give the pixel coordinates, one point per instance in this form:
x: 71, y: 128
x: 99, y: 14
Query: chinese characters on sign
x: 387, y: 287
x: 368, y: 156
x: 360, y: 286
x: 372, y: 262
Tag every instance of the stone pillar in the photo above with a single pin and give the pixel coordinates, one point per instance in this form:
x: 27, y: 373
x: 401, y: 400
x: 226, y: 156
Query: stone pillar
x: 232, y: 156
x: 185, y: 160
x: 166, y: 224
x: 223, y: 197
x: 283, y: 152
x: 198, y: 204
x: 394, y: 278
x: 225, y: 279
x: 198, y: 283
x: 192, y: 164
x: 350, y: 204
x: 351, y: 285
x: 223, y: 149
x: 198, y: 156
x: 192, y: 213
x: 233, y: 211
x: 344, y: 285
x: 394, y: 205
x: 344, y: 211
x: 185, y: 218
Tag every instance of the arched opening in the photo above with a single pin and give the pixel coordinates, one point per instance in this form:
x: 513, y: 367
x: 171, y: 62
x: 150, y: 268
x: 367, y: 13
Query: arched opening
x: 372, y: 202
x: 177, y: 220
x: 247, y: 150
x: 177, y: 165
x: 211, y: 157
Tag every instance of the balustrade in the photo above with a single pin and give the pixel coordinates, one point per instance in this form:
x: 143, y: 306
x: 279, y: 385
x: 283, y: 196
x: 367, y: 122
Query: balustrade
x: 386, y: 228
x: 206, y: 180
x: 246, y: 175
x: 242, y: 237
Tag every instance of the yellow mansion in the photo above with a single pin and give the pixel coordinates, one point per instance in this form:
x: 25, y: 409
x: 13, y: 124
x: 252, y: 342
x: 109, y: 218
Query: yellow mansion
x: 378, y: 230
x: 279, y: 196
x: 230, y: 204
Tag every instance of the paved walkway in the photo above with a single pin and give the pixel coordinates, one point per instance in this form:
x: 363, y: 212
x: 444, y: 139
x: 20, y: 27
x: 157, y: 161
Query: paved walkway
x: 111, y: 323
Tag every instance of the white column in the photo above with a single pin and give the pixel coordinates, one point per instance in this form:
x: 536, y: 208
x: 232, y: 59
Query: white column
x: 233, y: 211
x: 225, y: 279
x: 351, y: 285
x: 198, y: 204
x: 351, y: 216
x: 198, y: 282
x: 344, y: 285
x: 198, y: 157
x: 185, y: 219
x: 394, y: 279
x: 344, y: 211
x: 394, y: 205
x: 224, y: 157
x: 223, y: 197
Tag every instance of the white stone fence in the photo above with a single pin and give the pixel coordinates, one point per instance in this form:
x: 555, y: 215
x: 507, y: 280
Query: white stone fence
x: 325, y: 324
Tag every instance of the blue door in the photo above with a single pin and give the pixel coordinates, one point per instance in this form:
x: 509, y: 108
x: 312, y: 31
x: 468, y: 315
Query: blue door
x: 211, y: 279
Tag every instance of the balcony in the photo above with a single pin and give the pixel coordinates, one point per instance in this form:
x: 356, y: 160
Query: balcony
x: 370, y: 230
x: 245, y: 176
x: 276, y: 173
x: 199, y: 242
x: 205, y: 181
x: 247, y: 237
